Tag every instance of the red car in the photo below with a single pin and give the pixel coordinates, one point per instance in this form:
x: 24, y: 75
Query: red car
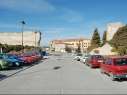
x: 94, y: 61
x: 116, y: 67
x: 36, y: 57
x: 27, y: 59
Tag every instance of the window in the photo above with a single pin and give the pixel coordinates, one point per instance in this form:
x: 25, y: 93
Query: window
x: 121, y: 61
x: 108, y: 62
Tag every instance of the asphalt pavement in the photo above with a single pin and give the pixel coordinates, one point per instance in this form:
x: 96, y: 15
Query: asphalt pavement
x: 60, y: 74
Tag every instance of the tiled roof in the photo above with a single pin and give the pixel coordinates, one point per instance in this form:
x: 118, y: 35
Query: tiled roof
x: 73, y: 39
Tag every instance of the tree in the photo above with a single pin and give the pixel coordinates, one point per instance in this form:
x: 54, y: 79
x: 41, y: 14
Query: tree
x: 119, y: 40
x: 7, y: 48
x: 104, y: 37
x: 78, y: 50
x: 95, y: 41
x: 68, y: 49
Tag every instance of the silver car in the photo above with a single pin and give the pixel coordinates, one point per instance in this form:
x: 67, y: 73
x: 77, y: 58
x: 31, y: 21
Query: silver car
x: 84, y: 57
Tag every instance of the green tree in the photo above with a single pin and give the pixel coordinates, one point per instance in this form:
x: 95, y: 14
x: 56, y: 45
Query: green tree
x: 68, y: 49
x: 95, y: 41
x: 104, y: 37
x: 78, y: 50
x: 119, y: 40
x: 7, y: 48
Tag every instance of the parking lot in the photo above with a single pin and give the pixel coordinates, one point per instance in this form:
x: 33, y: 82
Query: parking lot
x: 59, y: 74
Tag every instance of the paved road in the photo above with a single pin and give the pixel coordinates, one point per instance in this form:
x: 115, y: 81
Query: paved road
x: 61, y: 75
x: 13, y: 71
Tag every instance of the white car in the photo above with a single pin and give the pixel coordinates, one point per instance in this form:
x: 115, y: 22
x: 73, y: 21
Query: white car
x: 78, y: 57
x: 45, y: 57
x: 84, y: 58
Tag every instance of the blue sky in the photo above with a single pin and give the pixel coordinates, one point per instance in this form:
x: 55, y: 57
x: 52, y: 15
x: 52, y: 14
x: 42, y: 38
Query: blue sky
x: 58, y: 19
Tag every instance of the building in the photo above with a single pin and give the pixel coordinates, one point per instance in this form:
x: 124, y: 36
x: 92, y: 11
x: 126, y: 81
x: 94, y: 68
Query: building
x: 30, y: 38
x: 45, y: 48
x: 105, y: 50
x: 60, y: 45
x: 112, y: 29
x: 57, y: 45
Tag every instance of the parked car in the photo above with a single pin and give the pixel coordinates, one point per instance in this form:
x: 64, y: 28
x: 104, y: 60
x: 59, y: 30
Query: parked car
x: 84, y: 57
x: 35, y: 57
x: 39, y: 56
x: 44, y: 55
x: 12, y: 60
x: 94, y: 61
x: 17, y: 57
x: 116, y: 67
x: 27, y: 59
x: 4, y: 64
x: 78, y: 56
x: 1, y: 55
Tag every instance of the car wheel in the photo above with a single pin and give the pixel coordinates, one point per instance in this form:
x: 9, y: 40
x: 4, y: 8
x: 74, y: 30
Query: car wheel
x: 87, y: 64
x: 112, y: 77
x: 78, y: 59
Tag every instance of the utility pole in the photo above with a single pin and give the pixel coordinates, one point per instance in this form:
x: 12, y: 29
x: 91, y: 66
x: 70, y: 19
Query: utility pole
x: 35, y: 39
x: 22, y: 30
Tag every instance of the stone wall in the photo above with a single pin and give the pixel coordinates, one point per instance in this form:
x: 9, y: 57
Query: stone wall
x: 30, y: 38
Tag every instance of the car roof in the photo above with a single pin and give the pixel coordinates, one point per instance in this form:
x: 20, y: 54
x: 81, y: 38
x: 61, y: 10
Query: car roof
x: 96, y: 55
x: 115, y: 57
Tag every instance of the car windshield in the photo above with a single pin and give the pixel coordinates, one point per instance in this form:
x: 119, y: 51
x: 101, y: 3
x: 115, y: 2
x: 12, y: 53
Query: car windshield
x: 86, y: 55
x: 12, y: 57
x: 97, y: 57
x: 121, y: 61
x: 79, y: 54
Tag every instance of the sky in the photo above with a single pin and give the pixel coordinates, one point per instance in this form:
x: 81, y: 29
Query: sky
x: 58, y: 19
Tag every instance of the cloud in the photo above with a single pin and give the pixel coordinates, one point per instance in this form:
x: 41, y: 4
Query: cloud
x: 30, y: 6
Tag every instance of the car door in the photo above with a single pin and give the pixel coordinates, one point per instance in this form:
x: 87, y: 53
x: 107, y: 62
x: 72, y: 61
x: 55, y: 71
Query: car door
x: 102, y: 66
x: 108, y: 65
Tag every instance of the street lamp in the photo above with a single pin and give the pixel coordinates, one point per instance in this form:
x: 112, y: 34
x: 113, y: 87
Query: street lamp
x: 22, y: 30
x: 35, y: 39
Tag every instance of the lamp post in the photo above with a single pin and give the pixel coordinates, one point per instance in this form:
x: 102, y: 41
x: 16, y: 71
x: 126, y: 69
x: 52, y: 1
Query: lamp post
x: 22, y: 30
x: 35, y: 39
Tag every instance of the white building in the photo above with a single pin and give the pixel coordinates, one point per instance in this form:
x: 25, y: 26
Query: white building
x: 104, y: 50
x: 71, y: 43
x: 112, y: 29
x: 60, y: 47
x: 30, y: 38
